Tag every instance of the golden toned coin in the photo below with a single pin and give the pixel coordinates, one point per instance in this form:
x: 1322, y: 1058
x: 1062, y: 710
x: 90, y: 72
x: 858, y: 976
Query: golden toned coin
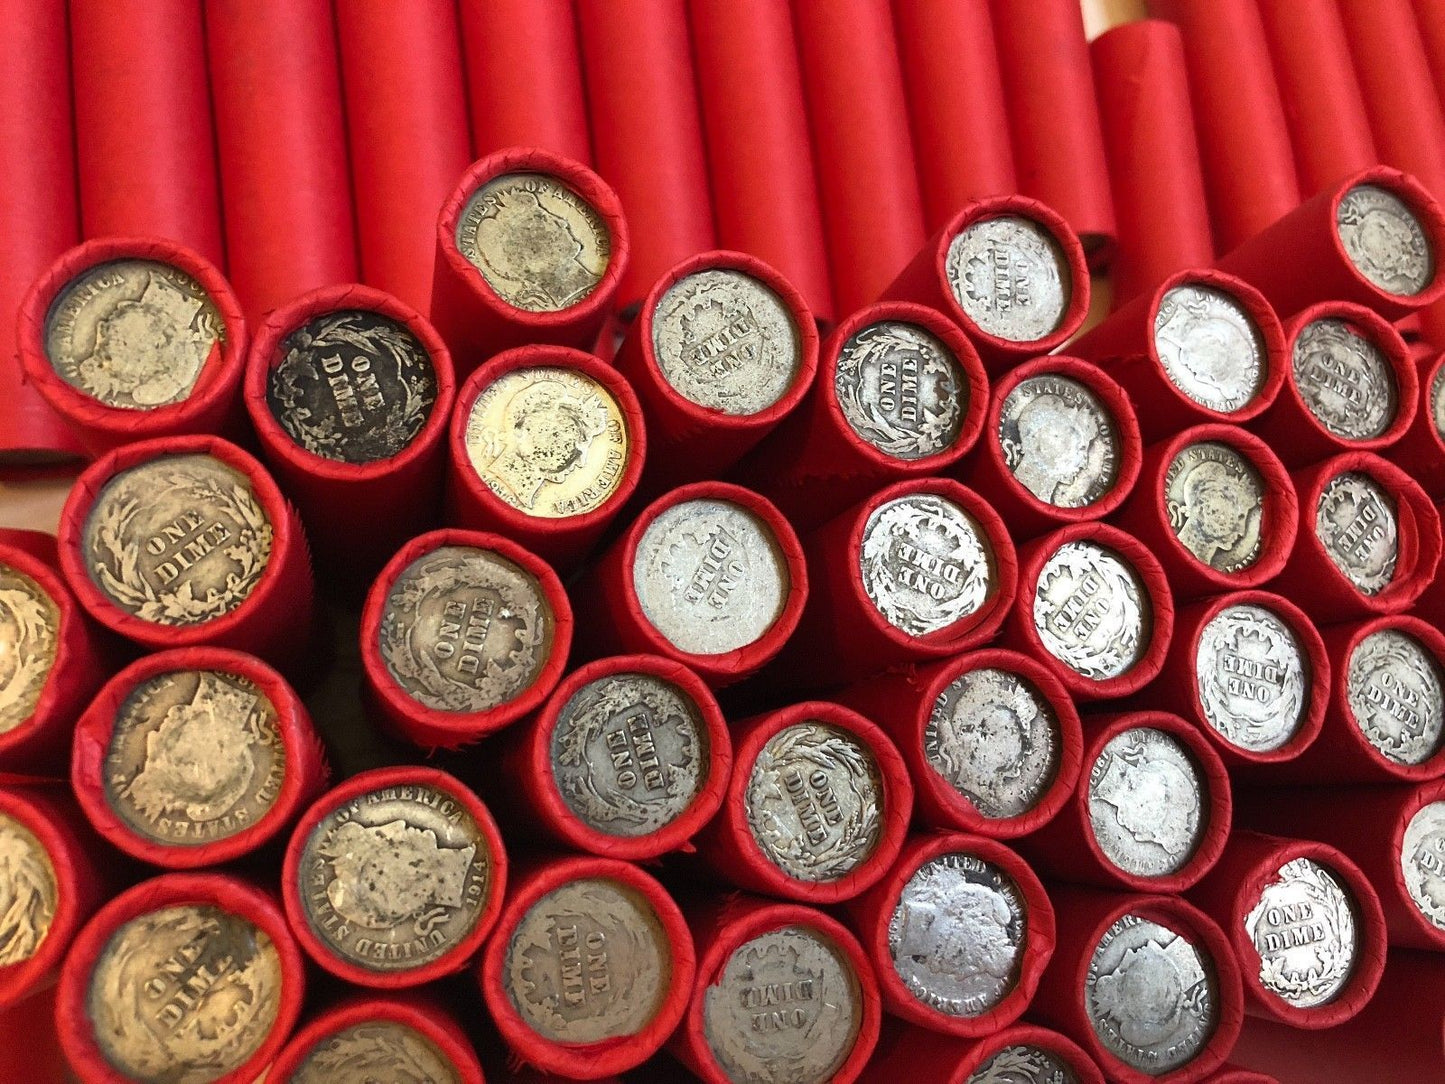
x: 28, y: 892
x: 29, y: 640
x: 380, y: 1051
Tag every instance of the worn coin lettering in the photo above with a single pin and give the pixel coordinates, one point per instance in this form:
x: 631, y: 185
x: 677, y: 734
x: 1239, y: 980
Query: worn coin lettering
x: 29, y: 643
x: 1344, y: 379
x: 1091, y: 611
x: 1422, y: 861
x: 1252, y: 678
x: 1305, y: 929
x: 1010, y: 277
x: 1385, y: 240
x: 1210, y: 347
x: 1394, y: 690
x: 1355, y: 521
x: 1146, y: 802
x: 901, y: 389
x: 1215, y: 500
x: 1058, y: 441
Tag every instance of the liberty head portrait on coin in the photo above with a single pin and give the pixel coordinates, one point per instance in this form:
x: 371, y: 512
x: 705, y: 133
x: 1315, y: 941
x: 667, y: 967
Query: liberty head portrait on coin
x: 1147, y: 802
x: 1210, y: 347
x: 1385, y: 240
x: 1214, y: 497
x: 1059, y: 441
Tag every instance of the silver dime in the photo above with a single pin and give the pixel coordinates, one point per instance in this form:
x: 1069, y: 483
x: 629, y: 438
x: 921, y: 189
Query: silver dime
x: 1252, y: 678
x: 1385, y: 240
x: 993, y: 737
x: 352, y: 385
x: 1215, y: 500
x: 629, y: 753
x: 709, y: 576
x: 1010, y: 277
x: 1305, y: 930
x: 925, y: 563
x: 814, y: 802
x: 1436, y: 405
x: 1058, y: 441
x: 465, y: 629
x: 1422, y: 860
x: 1210, y: 347
x: 133, y: 334
x: 1151, y: 995
x: 178, y: 540
x: 29, y: 643
x: 901, y: 389
x: 375, y: 1052
x: 1344, y: 379
x: 785, y: 1009
x: 1394, y: 689
x: 957, y: 934
x: 29, y: 892
x: 1355, y: 522
x: 1091, y: 611
x: 539, y: 245
x: 1023, y: 1064
x: 588, y: 962
x: 1146, y: 802
x: 724, y: 340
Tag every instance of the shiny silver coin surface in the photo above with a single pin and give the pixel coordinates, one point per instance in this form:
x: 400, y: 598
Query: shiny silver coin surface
x: 1214, y: 497
x: 1385, y: 240
x: 1356, y: 523
x: 1422, y: 861
x: 1210, y: 347
x: 1344, y: 379
x: 901, y: 390
x: 1010, y: 277
x: 1305, y: 928
x: 1394, y: 690
x: 1091, y: 610
x: 1059, y: 441
x: 1252, y: 678
x: 1147, y: 802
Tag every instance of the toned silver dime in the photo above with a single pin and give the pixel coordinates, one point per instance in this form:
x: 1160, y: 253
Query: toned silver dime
x: 29, y: 642
x: 1023, y: 1064
x: 1091, y: 611
x: 1385, y: 240
x: 1252, y: 678
x: 1436, y: 405
x: 375, y: 1052
x: 1151, y: 995
x: 785, y: 1009
x: 132, y: 334
x: 629, y: 753
x: 538, y: 244
x: 994, y: 738
x: 1058, y: 441
x: 814, y: 802
x: 724, y: 340
x: 1210, y: 347
x: 185, y: 994
x: 396, y: 878
x: 1355, y: 522
x: 589, y: 961
x: 179, y: 540
x: 901, y: 389
x: 957, y: 934
x: 194, y: 756
x: 1394, y: 689
x: 1146, y: 802
x: 1422, y: 860
x: 1215, y: 500
x: 352, y: 385
x: 1304, y: 928
x: 709, y: 576
x: 465, y: 629
x: 29, y: 892
x: 1344, y: 379
x: 1010, y: 277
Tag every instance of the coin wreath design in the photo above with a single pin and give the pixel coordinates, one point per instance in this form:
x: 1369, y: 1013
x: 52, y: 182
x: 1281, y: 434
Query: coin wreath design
x: 29, y: 641
x: 1304, y: 928
x: 877, y: 401
x: 376, y: 1051
x: 1023, y: 1065
x: 29, y: 893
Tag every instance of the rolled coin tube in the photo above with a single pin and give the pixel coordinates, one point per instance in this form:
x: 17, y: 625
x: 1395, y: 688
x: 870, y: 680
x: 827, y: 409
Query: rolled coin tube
x: 905, y: 1049
x: 1423, y: 443
x: 1232, y: 1074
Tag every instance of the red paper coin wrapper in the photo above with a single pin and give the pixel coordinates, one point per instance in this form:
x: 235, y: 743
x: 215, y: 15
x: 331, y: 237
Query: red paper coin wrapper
x: 297, y: 882
x: 433, y: 728
x: 587, y: 1061
x: 1233, y: 1075
x: 213, y: 405
x: 29, y: 1046
x: 303, y: 772
x: 906, y: 1052
x: 1423, y: 445
x: 728, y: 847
x: 181, y: 976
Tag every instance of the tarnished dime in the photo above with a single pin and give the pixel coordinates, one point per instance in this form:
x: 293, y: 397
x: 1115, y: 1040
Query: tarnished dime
x: 185, y: 994
x: 132, y: 334
x: 29, y: 892
x: 1215, y: 500
x: 1058, y: 441
x: 1436, y: 405
x: 901, y: 389
x: 550, y: 442
x: 814, y: 802
x: 1010, y: 277
x: 29, y: 642
x: 588, y: 962
x: 1344, y: 379
x: 957, y: 934
x: 1151, y: 995
x: 396, y: 878
x: 1394, y: 689
x: 1385, y: 240
x: 179, y: 540
x: 375, y: 1052
x: 629, y: 753
x: 538, y: 244
x: 1355, y: 522
x: 709, y: 576
x: 1023, y: 1064
x: 1422, y: 860
x: 1252, y: 678
x: 1146, y: 802
x: 1304, y: 928
x: 465, y: 629
x: 785, y: 1009
x: 1210, y: 347
x: 724, y: 340
x: 1091, y: 611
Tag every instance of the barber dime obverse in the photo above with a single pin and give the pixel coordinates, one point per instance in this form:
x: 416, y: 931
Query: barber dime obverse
x: 1058, y: 441
x: 1385, y: 240
x: 1215, y: 500
x: 1147, y: 808
x: 1210, y: 347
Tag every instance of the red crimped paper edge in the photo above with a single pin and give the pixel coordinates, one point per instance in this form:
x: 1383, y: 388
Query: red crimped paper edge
x: 870, y: 914
x: 221, y: 890
x: 472, y: 504
x: 1422, y: 446
x: 1233, y: 887
x: 906, y: 1050
x: 528, y: 772
x: 361, y: 784
x: 432, y: 728
x: 988, y: 473
x: 213, y: 404
x: 587, y: 1061
x: 1021, y: 635
x: 727, y: 845
x: 1232, y: 1074
x: 306, y: 768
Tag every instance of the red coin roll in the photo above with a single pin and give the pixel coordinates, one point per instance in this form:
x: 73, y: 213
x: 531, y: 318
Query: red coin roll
x: 31, y: 1049
x: 905, y: 1052
x: 1423, y: 445
x: 1232, y: 1075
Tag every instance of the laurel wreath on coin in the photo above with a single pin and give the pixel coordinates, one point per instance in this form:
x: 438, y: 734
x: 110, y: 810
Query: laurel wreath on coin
x: 911, y: 521
x: 1094, y: 659
x: 937, y: 423
x: 1024, y: 1064
x: 33, y: 649
x: 1335, y: 913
